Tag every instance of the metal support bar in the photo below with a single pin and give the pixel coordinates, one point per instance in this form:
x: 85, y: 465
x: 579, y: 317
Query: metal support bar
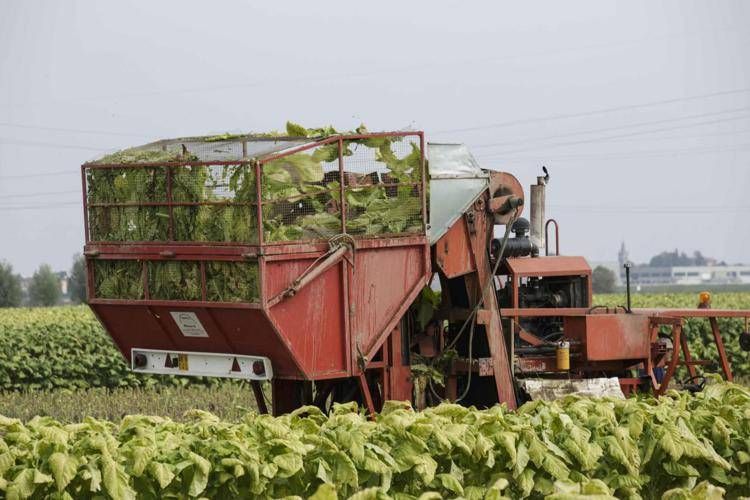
x: 366, y: 396
x: 306, y: 278
x: 260, y: 398
x: 725, y: 367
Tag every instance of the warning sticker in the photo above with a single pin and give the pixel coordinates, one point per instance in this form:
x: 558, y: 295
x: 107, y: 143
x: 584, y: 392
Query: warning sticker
x: 189, y: 324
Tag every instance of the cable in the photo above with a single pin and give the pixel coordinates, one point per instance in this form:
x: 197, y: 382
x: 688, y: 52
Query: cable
x: 564, y: 116
x: 408, y: 68
x: 34, y: 195
x: 47, y: 174
x: 630, y: 134
x: 626, y: 155
x: 78, y: 204
x: 5, y: 140
x: 607, y: 129
x: 72, y: 130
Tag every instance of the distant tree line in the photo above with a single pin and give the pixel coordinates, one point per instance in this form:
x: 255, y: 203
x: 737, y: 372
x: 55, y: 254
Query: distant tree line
x: 44, y: 287
x: 677, y: 258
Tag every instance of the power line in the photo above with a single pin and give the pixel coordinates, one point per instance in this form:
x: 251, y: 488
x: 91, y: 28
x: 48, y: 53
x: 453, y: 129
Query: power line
x: 682, y: 136
x: 46, y: 174
x: 608, y: 129
x: 34, y: 195
x: 651, y: 207
x: 5, y: 140
x: 410, y: 67
x: 40, y: 207
x: 564, y: 116
x: 605, y: 138
x: 629, y: 155
x: 72, y: 130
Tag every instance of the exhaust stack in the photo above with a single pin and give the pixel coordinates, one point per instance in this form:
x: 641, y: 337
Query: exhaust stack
x: 537, y: 216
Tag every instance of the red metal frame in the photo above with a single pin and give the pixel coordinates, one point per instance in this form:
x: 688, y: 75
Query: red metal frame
x: 624, y: 338
x: 313, y: 334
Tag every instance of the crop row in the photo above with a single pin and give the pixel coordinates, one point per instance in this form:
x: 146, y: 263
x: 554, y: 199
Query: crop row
x: 65, y: 347
x: 606, y: 448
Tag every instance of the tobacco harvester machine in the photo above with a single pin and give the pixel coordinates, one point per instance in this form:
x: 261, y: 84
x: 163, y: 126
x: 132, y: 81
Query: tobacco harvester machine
x: 301, y: 264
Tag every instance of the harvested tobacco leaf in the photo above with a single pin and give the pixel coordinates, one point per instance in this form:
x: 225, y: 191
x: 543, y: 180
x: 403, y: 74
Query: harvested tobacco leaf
x: 174, y: 280
x: 232, y: 281
x: 118, y: 279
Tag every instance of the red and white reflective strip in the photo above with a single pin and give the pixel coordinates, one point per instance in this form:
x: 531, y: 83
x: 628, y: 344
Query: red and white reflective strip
x: 200, y: 364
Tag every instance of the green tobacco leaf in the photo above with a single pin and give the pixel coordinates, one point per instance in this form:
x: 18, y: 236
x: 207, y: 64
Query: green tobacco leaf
x: 64, y: 468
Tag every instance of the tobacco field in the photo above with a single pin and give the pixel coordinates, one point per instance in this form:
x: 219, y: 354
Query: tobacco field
x: 678, y: 447
x: 65, y: 347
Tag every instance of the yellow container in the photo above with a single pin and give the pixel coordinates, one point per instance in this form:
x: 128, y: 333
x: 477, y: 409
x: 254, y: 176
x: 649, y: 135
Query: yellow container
x: 563, y: 356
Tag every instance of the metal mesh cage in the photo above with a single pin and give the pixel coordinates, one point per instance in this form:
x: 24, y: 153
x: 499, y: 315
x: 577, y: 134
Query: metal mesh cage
x: 184, y: 198
x: 232, y: 281
x: 383, y: 185
x: 226, y: 147
x: 225, y: 281
x: 176, y: 203
x: 118, y: 279
x: 301, y: 195
x: 174, y: 280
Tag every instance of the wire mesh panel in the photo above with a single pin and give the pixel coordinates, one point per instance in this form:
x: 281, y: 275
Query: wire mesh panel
x: 383, y: 185
x: 301, y: 195
x: 232, y: 281
x: 124, y: 203
x: 214, y: 203
x: 174, y: 280
x: 118, y: 279
x: 207, y: 203
x: 183, y: 280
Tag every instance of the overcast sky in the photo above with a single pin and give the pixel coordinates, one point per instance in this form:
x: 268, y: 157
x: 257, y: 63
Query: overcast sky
x: 640, y: 109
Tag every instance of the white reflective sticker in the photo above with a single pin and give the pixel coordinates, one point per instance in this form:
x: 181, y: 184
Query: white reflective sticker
x: 189, y: 324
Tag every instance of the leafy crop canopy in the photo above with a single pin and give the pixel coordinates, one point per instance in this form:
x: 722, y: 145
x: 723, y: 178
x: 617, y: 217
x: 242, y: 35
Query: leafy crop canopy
x: 678, y: 447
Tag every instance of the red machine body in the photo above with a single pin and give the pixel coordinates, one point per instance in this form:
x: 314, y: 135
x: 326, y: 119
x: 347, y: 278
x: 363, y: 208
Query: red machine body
x: 329, y: 316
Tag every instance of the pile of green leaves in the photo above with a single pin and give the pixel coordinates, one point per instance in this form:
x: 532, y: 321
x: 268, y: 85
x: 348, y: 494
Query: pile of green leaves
x: 301, y: 201
x: 226, y: 191
x: 678, y: 447
x: 304, y: 202
x: 235, y: 281
x: 66, y: 348
x: 698, y: 330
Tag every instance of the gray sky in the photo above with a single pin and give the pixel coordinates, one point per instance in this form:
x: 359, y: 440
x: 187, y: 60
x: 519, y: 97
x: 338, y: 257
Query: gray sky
x: 640, y: 109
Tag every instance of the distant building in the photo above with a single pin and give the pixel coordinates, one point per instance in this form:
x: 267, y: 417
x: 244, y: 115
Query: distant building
x: 646, y: 275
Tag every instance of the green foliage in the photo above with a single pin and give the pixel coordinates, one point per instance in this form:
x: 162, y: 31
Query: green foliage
x: 679, y: 446
x: 306, y: 203
x: 603, y: 280
x: 77, y: 280
x: 10, y: 286
x: 230, y: 400
x: 301, y: 200
x: 698, y: 330
x: 66, y: 348
x: 44, y: 288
